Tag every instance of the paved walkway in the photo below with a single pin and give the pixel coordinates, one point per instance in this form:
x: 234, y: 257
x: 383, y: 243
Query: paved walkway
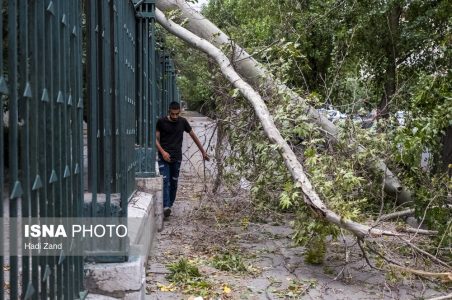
x: 203, y: 225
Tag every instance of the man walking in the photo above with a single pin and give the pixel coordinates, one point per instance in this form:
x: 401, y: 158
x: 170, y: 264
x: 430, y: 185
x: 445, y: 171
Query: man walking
x: 169, y: 134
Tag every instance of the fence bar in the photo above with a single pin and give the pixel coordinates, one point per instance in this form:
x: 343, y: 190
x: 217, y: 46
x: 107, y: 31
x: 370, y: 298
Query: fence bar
x: 44, y: 109
x: 70, y: 42
x: 34, y: 141
x: 116, y: 28
x: 24, y: 115
x: 93, y: 29
x: 50, y: 277
x: 3, y: 92
x: 153, y: 85
x: 57, y: 100
x: 79, y: 144
x: 66, y: 138
x: 107, y: 109
x: 13, y: 147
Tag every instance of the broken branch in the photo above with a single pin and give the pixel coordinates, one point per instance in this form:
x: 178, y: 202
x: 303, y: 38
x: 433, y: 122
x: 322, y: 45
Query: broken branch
x: 397, y: 214
x: 293, y: 165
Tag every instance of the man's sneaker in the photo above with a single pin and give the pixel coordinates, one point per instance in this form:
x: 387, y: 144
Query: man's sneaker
x: 167, y: 212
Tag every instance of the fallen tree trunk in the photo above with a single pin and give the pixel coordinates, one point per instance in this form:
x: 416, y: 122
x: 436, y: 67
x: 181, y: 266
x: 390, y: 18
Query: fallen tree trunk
x: 256, y: 74
x: 295, y: 168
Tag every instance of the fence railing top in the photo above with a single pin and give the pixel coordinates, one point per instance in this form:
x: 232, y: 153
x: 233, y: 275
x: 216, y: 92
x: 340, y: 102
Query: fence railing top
x: 137, y: 3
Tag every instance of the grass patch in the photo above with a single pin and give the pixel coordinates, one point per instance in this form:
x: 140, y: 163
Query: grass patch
x: 230, y: 262
x: 182, y: 271
x: 186, y: 275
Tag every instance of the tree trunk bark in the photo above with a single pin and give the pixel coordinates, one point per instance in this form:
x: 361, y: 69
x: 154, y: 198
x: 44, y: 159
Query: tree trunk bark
x: 310, y: 197
x: 391, y: 53
x: 254, y: 73
x: 447, y: 150
x: 219, y: 156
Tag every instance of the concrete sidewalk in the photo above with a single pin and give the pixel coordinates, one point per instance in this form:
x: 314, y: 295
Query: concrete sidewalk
x: 202, y: 223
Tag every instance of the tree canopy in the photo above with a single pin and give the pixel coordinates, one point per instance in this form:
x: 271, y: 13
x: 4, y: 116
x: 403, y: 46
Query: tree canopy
x: 349, y: 51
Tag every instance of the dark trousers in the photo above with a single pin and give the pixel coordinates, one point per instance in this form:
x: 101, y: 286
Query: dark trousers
x: 170, y: 173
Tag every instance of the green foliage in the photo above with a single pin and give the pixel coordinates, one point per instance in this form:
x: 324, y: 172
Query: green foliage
x: 182, y: 271
x: 339, y: 178
x: 186, y: 275
x: 351, y: 54
x: 229, y: 262
x: 430, y: 114
x: 316, y: 249
x: 347, y: 51
x: 341, y: 175
x: 194, y: 78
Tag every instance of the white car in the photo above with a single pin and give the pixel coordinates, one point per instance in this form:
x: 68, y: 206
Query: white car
x: 332, y: 114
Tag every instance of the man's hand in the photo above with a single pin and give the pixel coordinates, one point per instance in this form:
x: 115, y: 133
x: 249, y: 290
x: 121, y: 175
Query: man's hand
x: 205, y: 156
x: 166, y: 156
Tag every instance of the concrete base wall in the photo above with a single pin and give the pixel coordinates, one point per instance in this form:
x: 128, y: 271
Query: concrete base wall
x: 127, y: 280
x: 116, y: 280
x: 154, y: 186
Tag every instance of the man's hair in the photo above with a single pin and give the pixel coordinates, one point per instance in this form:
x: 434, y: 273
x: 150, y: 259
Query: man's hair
x: 174, y: 105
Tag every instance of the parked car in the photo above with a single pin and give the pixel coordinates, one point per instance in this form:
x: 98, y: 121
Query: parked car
x: 400, y: 116
x: 332, y: 114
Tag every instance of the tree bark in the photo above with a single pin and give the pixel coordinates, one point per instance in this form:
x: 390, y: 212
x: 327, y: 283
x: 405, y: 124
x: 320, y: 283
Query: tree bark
x: 391, y: 53
x: 219, y: 156
x: 447, y: 150
x: 295, y: 168
x: 254, y: 73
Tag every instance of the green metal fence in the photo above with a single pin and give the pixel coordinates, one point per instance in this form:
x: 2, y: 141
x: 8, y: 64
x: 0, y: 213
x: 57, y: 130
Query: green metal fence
x: 41, y: 140
x: 166, y: 74
x: 111, y: 72
x: 147, y: 89
x: 129, y: 81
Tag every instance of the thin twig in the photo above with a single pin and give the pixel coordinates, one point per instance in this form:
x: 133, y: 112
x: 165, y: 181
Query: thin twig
x: 383, y: 256
x: 347, y: 258
x: 442, y: 238
x: 426, y: 254
x: 418, y: 231
x: 424, y: 216
x: 366, y: 257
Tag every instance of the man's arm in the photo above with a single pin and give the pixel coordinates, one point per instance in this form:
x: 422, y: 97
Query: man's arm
x: 166, y: 156
x: 198, y: 143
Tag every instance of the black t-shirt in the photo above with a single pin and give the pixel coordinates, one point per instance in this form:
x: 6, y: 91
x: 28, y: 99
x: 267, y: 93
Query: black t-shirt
x: 172, y: 134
